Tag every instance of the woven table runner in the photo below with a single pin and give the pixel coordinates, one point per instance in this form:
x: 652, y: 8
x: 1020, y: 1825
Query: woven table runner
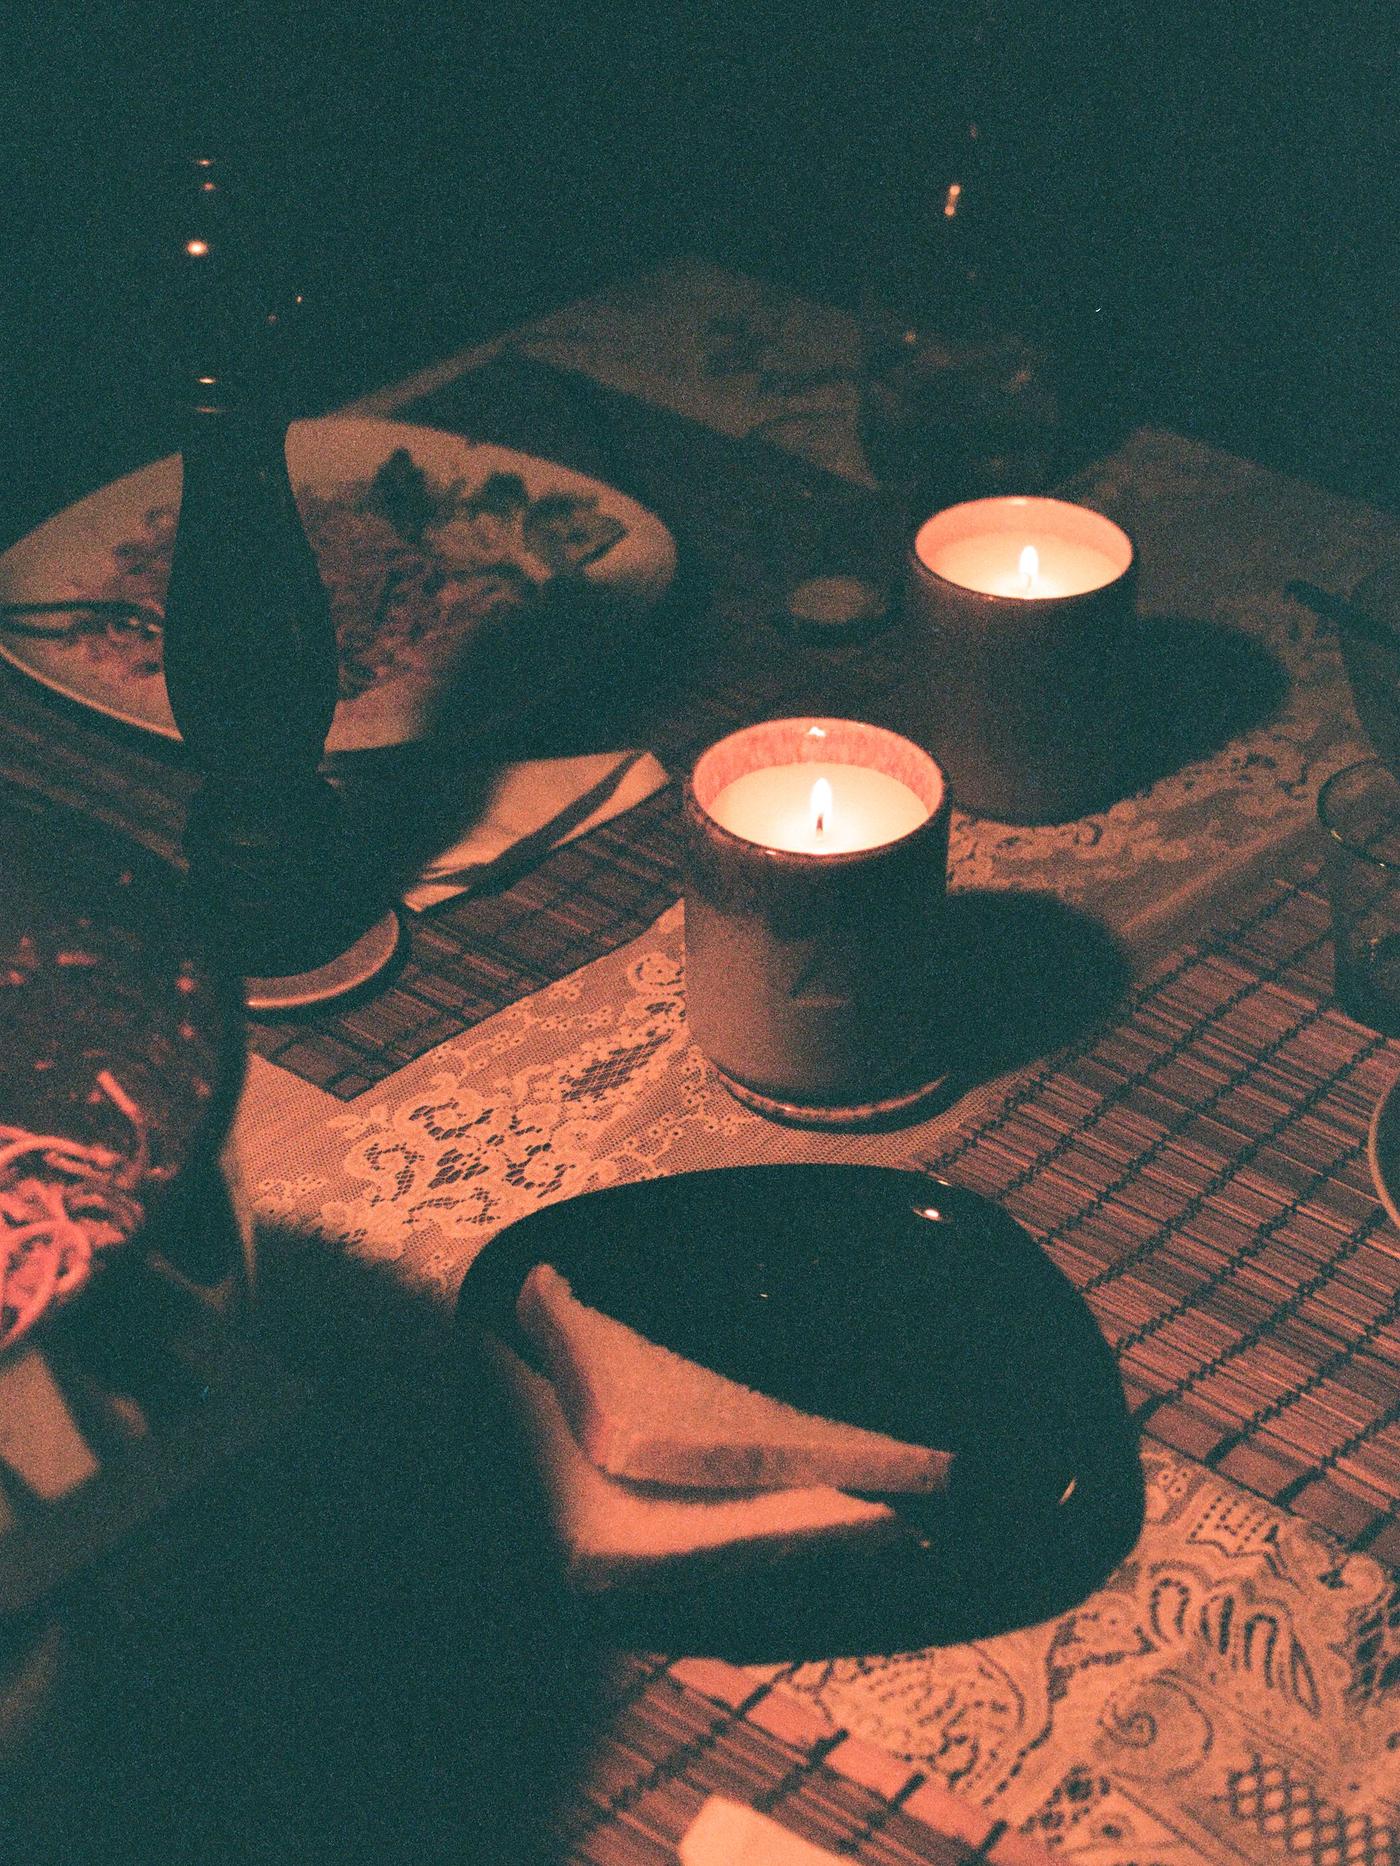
x: 1199, y: 1171
x: 672, y: 1736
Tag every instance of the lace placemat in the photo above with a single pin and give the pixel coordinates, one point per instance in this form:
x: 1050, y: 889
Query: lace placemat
x: 1230, y: 1696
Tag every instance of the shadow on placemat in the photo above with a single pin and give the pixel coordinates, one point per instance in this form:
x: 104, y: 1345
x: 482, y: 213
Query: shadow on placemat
x: 1197, y: 686
x: 1025, y: 974
x: 410, y: 802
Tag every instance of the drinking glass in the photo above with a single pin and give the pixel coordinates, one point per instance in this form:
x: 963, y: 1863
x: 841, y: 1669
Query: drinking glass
x: 1359, y: 810
x: 943, y: 418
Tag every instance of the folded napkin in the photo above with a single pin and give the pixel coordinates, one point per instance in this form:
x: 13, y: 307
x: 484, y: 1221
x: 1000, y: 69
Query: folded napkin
x: 530, y: 809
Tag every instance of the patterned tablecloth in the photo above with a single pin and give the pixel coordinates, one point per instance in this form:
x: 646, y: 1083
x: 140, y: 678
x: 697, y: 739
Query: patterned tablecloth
x: 1232, y: 1692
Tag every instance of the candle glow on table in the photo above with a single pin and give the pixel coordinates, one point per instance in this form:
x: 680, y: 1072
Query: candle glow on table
x: 818, y: 808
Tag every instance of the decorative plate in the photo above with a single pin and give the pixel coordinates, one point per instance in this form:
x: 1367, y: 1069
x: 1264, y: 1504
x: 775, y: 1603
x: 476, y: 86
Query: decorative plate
x: 426, y: 543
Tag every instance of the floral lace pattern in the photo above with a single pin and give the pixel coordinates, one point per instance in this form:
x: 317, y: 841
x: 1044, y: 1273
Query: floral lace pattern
x: 1214, y: 1701
x: 588, y: 1083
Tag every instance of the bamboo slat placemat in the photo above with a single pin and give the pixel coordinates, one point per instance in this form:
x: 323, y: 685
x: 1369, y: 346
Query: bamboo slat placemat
x: 674, y: 1735
x: 477, y: 954
x: 1198, y: 1168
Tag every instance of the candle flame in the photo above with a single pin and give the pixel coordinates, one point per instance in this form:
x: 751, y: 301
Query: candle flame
x: 821, y: 805
x: 1030, y: 567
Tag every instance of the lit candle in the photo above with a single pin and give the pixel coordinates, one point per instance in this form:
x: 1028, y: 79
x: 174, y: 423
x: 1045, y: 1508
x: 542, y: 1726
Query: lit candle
x: 818, y: 809
x: 1020, y: 608
x: 816, y: 858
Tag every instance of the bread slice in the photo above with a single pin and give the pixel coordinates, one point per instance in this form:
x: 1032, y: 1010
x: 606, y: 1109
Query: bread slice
x: 610, y: 1533
x: 644, y: 1413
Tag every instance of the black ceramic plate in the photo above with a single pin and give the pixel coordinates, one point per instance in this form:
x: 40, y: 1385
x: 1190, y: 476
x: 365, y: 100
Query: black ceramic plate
x: 895, y: 1301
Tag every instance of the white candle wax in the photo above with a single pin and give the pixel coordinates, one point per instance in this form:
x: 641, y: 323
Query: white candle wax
x: 777, y: 808
x: 993, y: 563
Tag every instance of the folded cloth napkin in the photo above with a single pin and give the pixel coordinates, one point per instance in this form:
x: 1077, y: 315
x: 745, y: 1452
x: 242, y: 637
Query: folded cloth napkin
x: 531, y: 809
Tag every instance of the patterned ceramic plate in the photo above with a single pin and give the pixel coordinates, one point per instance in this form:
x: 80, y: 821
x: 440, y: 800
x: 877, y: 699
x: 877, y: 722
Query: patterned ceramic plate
x: 425, y: 541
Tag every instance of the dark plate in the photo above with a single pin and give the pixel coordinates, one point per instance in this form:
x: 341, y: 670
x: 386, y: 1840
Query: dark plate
x: 898, y: 1302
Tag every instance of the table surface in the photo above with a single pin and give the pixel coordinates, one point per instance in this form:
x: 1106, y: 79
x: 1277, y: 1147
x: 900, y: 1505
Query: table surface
x: 1177, y: 1111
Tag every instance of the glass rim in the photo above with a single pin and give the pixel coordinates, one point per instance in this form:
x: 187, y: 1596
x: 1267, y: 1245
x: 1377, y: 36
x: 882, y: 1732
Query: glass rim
x: 1339, y: 836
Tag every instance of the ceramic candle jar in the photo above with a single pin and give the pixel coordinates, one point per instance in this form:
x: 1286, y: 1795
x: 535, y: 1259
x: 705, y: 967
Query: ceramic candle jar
x: 816, y: 865
x: 1020, y: 612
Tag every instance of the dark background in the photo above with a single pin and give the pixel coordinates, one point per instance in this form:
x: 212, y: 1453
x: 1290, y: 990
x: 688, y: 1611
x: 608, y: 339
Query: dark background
x: 1197, y: 200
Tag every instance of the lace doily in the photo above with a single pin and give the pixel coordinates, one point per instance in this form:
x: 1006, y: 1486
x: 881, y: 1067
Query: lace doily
x: 1231, y: 1694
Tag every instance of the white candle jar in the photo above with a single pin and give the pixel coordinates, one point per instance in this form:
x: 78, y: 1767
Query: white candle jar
x: 1020, y: 613
x: 814, y: 917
